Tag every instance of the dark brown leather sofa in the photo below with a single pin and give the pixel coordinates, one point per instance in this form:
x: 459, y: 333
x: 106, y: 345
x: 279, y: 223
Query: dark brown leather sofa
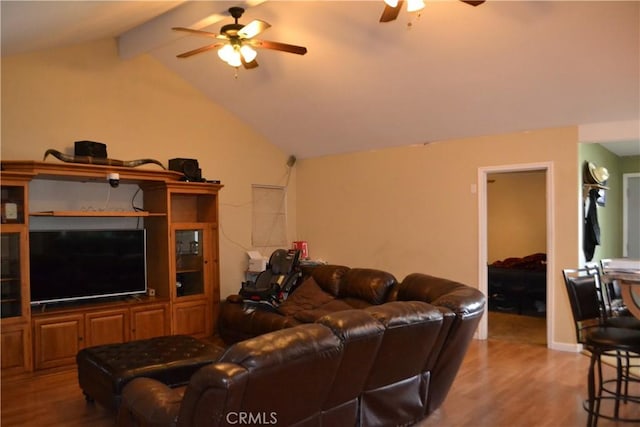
x: 332, y: 288
x: 355, y: 347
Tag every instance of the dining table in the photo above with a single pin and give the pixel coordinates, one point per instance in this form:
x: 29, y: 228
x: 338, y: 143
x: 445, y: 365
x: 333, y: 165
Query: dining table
x: 629, y: 288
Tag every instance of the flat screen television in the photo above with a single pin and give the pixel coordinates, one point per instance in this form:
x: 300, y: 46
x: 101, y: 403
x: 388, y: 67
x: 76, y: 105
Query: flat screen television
x: 70, y: 265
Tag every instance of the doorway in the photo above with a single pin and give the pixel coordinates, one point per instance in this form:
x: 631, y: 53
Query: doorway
x: 483, y: 259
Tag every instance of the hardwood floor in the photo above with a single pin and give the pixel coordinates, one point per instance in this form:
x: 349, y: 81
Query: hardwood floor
x: 517, y: 328
x: 500, y: 384
x: 513, y: 384
x: 50, y: 400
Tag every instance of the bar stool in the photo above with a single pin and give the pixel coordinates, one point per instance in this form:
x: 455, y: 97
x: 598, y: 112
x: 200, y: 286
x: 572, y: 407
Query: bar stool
x: 600, y: 340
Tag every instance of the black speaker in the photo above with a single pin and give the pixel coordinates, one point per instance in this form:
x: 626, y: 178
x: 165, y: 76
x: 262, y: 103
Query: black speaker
x: 91, y: 149
x: 188, y: 167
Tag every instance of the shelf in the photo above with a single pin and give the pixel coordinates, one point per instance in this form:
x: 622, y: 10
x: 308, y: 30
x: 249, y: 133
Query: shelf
x: 89, y: 172
x: 598, y: 186
x: 193, y: 270
x: 96, y: 214
x: 94, y: 305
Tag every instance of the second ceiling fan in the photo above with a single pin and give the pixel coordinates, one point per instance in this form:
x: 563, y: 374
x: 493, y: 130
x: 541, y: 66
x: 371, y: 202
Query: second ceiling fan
x: 392, y: 7
x: 237, y: 41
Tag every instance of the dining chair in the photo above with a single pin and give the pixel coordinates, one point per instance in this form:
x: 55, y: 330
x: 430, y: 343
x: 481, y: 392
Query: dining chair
x: 600, y: 340
x: 615, y: 315
x: 613, y: 311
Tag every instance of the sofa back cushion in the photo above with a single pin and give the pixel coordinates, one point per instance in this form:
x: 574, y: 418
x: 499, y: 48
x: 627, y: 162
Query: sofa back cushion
x: 289, y: 372
x: 329, y: 277
x: 411, y: 328
x: 459, y: 298
x: 462, y: 306
x: 361, y: 335
x: 308, y: 296
x: 396, y: 391
x: 367, y: 284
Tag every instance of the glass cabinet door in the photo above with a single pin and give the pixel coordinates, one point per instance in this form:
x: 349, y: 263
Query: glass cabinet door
x: 12, y: 211
x: 190, y: 263
x: 10, y: 282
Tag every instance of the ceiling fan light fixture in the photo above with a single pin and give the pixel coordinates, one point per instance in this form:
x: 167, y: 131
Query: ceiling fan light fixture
x: 238, y: 48
x: 248, y: 53
x: 225, y: 52
x: 391, y: 3
x: 230, y: 54
x: 415, y: 5
x: 235, y: 60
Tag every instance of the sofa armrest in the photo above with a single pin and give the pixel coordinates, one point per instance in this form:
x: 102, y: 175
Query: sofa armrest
x: 238, y: 322
x: 149, y: 403
x: 235, y: 299
x: 213, y: 393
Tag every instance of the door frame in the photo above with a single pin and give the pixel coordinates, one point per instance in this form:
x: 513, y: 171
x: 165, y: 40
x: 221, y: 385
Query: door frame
x: 483, y: 173
x: 625, y: 207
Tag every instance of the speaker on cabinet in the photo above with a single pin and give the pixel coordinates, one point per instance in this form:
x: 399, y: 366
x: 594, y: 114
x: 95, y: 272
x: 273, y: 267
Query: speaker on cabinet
x: 91, y: 149
x: 188, y: 167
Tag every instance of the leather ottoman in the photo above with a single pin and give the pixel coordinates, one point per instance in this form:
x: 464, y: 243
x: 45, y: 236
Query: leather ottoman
x: 104, y: 370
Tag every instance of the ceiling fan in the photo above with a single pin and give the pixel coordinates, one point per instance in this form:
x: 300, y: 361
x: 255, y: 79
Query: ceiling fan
x: 392, y: 7
x: 236, y: 41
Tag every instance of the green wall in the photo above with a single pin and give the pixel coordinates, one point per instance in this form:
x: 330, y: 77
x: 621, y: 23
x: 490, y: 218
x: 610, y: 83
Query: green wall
x: 610, y: 215
x: 630, y: 164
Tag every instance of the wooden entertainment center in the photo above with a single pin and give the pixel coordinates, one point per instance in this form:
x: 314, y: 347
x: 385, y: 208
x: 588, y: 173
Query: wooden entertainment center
x: 181, y: 222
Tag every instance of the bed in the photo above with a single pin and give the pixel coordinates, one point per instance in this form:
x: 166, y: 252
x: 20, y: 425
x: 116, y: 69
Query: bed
x: 519, y: 285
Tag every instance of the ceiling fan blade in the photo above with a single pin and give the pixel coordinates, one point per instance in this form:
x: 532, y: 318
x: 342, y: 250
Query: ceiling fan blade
x: 253, y: 28
x: 265, y: 44
x: 473, y: 2
x: 391, y: 13
x: 200, y: 33
x: 199, y: 50
x: 248, y: 65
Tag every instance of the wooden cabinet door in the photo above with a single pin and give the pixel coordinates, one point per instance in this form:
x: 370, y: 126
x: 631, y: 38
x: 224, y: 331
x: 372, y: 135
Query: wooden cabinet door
x: 15, y: 349
x: 57, y: 340
x: 149, y: 321
x: 192, y: 318
x: 106, y: 327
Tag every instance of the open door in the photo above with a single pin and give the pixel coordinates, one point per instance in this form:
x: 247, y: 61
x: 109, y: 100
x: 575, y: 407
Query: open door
x: 483, y: 175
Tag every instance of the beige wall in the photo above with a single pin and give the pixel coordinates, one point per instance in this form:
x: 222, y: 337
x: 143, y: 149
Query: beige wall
x: 139, y: 109
x: 516, y: 215
x: 413, y: 208
x: 403, y: 209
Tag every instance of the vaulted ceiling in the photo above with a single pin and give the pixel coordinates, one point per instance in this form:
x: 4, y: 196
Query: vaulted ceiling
x: 452, y: 71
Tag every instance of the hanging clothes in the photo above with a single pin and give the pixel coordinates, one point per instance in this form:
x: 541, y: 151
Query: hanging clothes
x: 591, y: 237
